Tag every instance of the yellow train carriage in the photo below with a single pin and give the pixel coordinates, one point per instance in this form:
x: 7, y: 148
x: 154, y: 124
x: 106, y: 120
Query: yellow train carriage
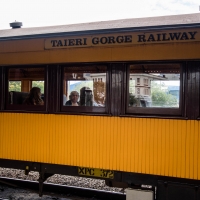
x: 138, y: 116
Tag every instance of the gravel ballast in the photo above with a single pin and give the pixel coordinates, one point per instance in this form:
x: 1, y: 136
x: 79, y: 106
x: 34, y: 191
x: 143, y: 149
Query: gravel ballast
x: 59, y: 179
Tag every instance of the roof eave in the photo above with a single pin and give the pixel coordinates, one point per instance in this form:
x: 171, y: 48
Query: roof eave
x: 103, y: 31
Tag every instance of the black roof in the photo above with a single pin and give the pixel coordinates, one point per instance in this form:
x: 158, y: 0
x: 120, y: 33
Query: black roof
x: 135, y: 24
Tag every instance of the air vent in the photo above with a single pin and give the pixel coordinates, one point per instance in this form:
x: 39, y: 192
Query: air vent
x: 16, y: 24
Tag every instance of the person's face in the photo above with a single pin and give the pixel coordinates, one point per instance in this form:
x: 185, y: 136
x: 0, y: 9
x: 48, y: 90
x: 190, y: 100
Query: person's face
x: 74, y: 97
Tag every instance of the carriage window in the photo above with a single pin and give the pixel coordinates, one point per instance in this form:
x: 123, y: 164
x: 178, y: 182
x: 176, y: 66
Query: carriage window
x: 160, y: 88
x: 26, y: 87
x: 84, y: 88
x: 15, y: 86
x: 39, y: 84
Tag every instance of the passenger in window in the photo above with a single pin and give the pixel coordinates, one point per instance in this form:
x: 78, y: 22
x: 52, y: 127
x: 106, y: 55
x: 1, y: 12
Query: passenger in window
x: 86, y: 98
x: 34, y: 97
x: 74, y: 96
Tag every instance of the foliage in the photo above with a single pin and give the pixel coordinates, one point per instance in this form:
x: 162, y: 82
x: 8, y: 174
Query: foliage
x: 15, y: 86
x: 161, y: 98
x: 39, y: 84
x: 132, y: 100
x: 82, y: 84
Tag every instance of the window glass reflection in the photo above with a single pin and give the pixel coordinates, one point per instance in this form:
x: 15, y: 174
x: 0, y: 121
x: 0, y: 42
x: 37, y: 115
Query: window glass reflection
x: 84, y: 86
x: 154, y: 85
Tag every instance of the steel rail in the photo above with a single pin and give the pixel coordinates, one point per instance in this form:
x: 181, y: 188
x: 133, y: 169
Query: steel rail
x: 62, y: 189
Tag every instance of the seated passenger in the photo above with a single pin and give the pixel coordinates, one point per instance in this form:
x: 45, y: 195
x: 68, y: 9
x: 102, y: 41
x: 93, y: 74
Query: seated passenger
x: 74, y: 96
x: 34, y: 97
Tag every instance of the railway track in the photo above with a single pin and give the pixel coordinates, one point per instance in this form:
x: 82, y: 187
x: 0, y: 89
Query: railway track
x: 61, y: 189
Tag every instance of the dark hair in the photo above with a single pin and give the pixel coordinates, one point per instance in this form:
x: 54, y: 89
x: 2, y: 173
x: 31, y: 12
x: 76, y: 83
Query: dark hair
x: 34, y: 97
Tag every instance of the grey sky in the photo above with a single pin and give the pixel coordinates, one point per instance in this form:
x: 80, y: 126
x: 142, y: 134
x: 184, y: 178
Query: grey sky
x: 35, y: 13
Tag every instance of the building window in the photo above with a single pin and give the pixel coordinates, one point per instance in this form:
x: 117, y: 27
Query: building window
x: 138, y: 90
x: 145, y: 81
x: 146, y: 91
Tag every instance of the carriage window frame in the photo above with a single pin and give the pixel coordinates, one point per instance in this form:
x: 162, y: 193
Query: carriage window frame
x: 90, y: 110
x: 1, y: 88
x: 25, y: 108
x: 157, y: 111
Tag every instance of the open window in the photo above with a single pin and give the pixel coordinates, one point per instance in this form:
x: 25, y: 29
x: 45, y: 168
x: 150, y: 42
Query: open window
x: 26, y: 88
x: 159, y: 92
x: 84, y: 89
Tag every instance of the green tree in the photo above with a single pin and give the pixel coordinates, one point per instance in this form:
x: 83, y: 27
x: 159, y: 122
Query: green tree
x: 161, y: 98
x: 39, y: 84
x: 15, y: 86
x: 132, y: 100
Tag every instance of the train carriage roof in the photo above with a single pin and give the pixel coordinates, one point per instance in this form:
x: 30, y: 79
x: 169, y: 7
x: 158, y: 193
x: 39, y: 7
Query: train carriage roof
x: 102, y: 27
